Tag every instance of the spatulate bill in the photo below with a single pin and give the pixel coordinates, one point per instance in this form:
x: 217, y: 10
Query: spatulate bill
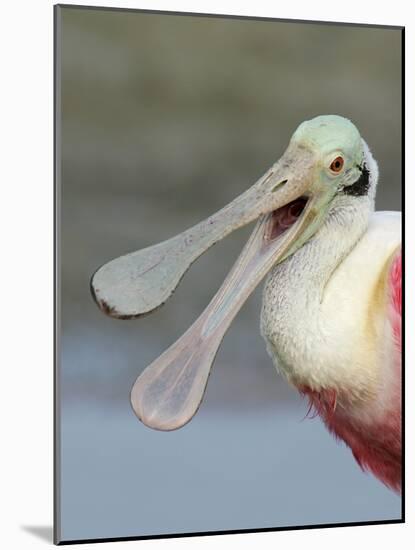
x: 137, y: 283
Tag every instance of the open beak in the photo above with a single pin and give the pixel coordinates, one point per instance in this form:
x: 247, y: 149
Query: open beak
x: 289, y: 208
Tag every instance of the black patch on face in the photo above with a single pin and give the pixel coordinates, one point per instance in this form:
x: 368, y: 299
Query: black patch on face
x: 361, y: 186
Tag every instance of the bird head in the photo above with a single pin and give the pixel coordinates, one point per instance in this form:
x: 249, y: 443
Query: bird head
x: 334, y: 165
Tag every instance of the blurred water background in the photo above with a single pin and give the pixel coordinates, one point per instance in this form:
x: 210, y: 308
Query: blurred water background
x: 165, y: 119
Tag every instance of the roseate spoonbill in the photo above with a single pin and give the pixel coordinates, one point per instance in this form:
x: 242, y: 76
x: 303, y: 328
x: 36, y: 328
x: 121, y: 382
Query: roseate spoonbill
x: 331, y: 312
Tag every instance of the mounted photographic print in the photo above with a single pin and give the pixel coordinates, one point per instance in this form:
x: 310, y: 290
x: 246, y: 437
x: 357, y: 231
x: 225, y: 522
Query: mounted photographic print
x: 256, y: 384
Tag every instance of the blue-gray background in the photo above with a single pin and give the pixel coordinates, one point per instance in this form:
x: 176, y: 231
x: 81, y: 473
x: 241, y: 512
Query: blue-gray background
x: 163, y: 120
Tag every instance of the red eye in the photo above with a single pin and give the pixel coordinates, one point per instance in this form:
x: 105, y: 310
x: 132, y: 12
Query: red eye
x: 337, y: 165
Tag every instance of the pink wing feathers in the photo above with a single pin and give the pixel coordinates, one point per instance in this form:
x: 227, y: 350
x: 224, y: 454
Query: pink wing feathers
x: 378, y: 447
x: 395, y: 289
